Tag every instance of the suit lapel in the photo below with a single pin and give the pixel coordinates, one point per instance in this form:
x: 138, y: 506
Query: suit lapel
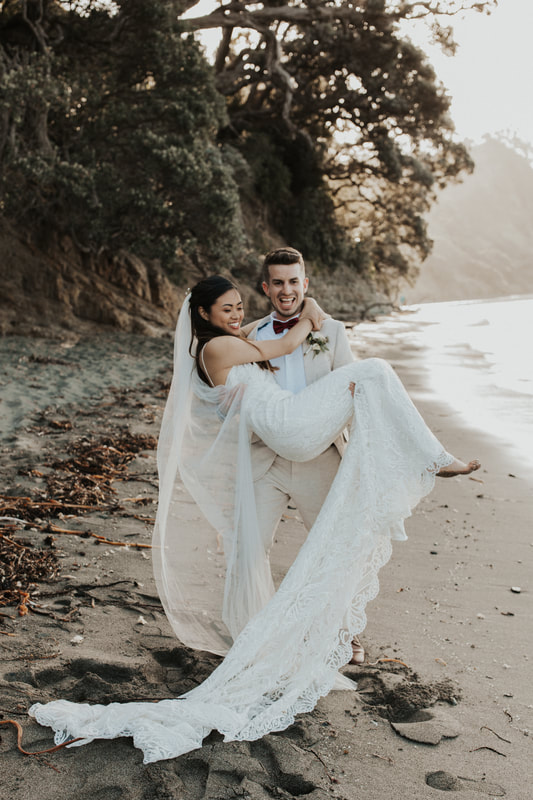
x: 312, y: 365
x: 253, y: 333
x: 316, y: 366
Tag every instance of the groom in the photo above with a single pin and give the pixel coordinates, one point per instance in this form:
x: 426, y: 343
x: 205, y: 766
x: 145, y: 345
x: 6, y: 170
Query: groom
x: 276, y: 480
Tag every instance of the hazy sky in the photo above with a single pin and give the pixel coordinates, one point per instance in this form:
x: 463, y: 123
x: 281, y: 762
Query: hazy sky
x: 491, y: 76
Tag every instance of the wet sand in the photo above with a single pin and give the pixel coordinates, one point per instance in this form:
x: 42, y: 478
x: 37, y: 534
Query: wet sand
x: 97, y: 633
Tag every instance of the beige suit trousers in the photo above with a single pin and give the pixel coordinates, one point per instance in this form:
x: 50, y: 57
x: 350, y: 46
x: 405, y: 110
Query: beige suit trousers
x: 306, y: 484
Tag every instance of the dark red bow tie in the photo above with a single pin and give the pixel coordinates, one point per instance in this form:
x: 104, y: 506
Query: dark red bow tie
x: 280, y: 326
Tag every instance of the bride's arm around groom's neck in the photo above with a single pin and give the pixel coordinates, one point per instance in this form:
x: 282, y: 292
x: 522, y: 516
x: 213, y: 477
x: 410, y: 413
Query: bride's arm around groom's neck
x: 248, y: 328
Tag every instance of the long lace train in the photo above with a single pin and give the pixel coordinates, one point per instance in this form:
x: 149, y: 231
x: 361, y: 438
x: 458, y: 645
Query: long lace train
x: 288, y: 654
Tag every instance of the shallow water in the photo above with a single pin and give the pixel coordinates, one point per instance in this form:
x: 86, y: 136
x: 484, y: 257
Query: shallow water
x: 476, y: 357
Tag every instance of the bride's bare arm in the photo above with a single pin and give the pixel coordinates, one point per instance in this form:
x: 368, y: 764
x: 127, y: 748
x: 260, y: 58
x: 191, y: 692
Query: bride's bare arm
x: 248, y: 328
x: 224, y: 352
x: 311, y: 310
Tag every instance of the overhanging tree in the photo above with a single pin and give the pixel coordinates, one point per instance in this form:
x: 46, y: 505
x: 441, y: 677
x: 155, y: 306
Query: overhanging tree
x: 354, y: 116
x: 114, y: 128
x: 108, y: 125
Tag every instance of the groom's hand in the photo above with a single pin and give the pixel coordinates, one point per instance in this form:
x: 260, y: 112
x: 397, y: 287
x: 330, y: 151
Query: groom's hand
x: 312, y: 311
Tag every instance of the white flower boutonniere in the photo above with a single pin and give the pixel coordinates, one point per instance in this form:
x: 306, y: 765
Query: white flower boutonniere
x: 317, y: 344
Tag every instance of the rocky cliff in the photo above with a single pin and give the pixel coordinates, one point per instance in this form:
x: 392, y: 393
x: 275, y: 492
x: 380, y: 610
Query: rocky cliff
x: 59, y: 290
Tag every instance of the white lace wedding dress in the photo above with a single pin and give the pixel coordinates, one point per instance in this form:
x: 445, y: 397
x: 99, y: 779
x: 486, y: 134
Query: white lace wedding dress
x: 288, y: 652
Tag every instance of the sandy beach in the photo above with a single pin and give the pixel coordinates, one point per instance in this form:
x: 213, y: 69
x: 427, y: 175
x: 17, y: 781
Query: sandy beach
x: 444, y: 699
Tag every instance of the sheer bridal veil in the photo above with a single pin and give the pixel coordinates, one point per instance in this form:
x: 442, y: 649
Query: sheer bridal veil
x: 211, y: 570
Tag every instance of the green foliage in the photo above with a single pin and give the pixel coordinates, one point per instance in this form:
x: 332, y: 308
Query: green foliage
x: 345, y: 123
x: 112, y: 137
x: 290, y: 184
x: 323, y: 116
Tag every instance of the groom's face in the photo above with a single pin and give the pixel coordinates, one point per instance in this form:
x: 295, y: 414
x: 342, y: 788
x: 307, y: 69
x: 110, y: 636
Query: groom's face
x: 286, y: 288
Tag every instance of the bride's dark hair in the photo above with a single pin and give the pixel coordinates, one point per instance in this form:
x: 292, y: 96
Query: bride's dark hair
x: 203, y: 296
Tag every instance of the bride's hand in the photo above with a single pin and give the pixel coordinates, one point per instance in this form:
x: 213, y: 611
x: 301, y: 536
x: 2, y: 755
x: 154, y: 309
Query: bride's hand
x: 312, y: 311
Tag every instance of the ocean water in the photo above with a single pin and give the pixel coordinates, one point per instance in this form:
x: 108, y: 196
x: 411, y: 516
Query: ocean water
x: 477, y: 356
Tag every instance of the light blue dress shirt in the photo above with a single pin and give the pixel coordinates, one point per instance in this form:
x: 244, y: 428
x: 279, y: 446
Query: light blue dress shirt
x: 291, y: 372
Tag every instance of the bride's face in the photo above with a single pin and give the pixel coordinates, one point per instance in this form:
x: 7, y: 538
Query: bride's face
x: 227, y: 312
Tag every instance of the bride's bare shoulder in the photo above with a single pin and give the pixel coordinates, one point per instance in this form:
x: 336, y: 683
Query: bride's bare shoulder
x: 226, y: 350
x: 221, y: 344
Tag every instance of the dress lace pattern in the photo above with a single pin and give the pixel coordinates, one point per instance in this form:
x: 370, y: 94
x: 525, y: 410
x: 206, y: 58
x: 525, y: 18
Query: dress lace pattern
x: 287, y: 655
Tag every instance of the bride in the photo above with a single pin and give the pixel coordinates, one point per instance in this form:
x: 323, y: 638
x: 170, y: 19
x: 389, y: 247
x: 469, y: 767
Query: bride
x: 285, y: 646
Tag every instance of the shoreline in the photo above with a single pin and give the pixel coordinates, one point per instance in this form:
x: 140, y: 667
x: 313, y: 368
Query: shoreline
x: 469, y: 362
x: 446, y: 614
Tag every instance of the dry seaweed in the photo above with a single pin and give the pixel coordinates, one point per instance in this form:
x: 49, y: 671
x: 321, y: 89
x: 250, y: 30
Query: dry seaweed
x: 21, y: 566
x: 79, y: 483
x: 95, y: 463
x: 49, y: 360
x: 107, y: 454
x: 27, y: 509
x: 83, y: 482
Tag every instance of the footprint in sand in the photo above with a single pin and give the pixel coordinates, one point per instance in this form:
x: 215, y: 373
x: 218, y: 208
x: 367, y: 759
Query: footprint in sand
x: 268, y: 769
x: 447, y: 782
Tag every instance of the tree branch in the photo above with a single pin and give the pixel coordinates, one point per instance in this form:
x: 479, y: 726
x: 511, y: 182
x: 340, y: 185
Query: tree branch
x: 239, y: 16
x: 293, y: 15
x: 424, y: 8
x: 223, y: 50
x: 36, y: 27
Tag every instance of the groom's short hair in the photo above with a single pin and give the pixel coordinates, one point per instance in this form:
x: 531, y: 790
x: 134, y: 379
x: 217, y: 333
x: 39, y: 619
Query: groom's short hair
x: 282, y: 255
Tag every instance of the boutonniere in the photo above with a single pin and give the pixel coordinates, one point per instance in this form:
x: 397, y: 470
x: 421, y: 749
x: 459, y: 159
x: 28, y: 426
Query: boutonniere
x: 317, y: 344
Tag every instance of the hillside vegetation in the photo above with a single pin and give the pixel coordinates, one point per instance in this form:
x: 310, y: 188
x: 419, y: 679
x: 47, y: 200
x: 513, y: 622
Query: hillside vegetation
x: 319, y: 125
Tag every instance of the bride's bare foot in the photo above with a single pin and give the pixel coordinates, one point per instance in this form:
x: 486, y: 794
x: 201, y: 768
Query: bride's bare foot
x: 358, y: 652
x: 458, y: 468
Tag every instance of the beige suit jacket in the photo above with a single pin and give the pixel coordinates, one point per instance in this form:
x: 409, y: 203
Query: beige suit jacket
x: 337, y: 355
